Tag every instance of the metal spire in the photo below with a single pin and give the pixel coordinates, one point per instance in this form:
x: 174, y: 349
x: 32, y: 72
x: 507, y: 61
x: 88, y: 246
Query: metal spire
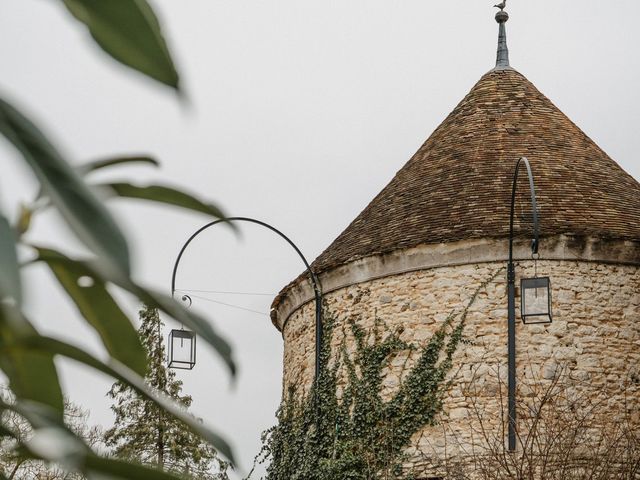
x: 502, y: 60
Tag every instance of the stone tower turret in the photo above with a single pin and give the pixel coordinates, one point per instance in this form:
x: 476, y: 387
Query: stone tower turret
x: 439, y: 230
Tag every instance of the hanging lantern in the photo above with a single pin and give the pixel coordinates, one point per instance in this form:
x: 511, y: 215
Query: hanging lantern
x: 536, y: 300
x: 182, y: 349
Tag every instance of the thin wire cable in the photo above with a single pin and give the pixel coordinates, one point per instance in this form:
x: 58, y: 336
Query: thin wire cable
x: 230, y: 305
x: 226, y: 293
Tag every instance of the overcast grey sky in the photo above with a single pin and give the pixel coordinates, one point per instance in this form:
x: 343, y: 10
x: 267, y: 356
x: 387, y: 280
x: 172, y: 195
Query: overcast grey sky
x: 301, y: 112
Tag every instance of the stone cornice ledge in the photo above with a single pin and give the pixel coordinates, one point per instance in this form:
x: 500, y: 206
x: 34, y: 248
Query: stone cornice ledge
x: 466, y: 252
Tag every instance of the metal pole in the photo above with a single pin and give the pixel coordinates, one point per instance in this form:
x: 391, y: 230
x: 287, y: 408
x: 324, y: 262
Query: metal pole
x: 511, y: 342
x: 511, y: 298
x: 317, y: 288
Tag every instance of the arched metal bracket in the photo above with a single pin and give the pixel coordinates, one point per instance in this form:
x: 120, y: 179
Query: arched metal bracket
x: 317, y: 288
x: 536, y: 236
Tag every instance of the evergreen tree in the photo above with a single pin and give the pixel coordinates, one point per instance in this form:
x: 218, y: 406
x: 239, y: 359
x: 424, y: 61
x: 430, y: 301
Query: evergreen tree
x: 143, y: 432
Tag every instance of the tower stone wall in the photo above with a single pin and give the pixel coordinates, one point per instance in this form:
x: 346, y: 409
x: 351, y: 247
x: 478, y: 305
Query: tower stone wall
x: 591, y: 351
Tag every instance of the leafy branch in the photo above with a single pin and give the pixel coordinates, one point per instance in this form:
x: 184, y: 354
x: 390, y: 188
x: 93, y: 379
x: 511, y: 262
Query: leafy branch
x: 128, y: 31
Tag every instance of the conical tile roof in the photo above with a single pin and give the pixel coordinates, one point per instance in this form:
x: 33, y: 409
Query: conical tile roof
x: 458, y: 184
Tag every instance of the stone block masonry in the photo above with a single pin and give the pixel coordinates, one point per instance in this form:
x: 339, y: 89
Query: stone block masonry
x: 589, y: 355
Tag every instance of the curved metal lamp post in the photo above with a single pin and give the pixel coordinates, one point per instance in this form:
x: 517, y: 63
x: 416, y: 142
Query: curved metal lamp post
x: 317, y: 290
x: 535, y: 285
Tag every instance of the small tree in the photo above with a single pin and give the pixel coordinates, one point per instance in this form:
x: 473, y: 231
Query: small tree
x: 567, y: 430
x: 15, y: 465
x: 143, y: 432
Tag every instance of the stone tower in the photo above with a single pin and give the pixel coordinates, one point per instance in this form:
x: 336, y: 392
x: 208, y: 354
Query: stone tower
x: 438, y: 233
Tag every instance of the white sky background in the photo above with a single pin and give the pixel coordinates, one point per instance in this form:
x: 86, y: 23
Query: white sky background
x: 301, y: 112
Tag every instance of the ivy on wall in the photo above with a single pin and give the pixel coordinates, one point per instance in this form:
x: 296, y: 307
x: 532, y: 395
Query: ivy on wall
x: 348, y: 427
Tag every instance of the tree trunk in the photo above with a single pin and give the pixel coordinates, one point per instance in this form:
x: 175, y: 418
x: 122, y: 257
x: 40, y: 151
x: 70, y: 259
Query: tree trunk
x: 15, y: 469
x: 160, y: 444
x: 162, y: 387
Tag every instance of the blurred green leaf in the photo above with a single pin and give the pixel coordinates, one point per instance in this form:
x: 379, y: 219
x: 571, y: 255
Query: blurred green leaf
x: 96, y: 165
x: 84, y: 213
x: 25, y: 214
x: 162, y: 194
x: 163, y: 302
x: 101, y: 311
x: 109, y: 162
x: 129, y: 31
x: 37, y: 414
x: 32, y: 375
x: 115, y: 369
x: 111, y: 468
x: 10, y: 285
x: 189, y: 319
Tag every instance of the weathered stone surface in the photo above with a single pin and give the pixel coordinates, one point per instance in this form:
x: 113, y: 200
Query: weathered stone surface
x: 593, y: 344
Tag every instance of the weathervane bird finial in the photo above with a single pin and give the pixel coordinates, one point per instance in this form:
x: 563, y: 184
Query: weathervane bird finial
x: 502, y: 5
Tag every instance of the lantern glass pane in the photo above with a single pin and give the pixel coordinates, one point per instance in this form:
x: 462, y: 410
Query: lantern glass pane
x: 536, y: 300
x: 181, y: 350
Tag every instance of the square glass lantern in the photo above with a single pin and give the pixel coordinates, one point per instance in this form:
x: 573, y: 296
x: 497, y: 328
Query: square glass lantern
x: 182, y: 349
x: 536, y: 300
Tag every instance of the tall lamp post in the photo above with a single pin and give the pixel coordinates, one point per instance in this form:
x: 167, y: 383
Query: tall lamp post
x: 535, y: 297
x: 317, y: 289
